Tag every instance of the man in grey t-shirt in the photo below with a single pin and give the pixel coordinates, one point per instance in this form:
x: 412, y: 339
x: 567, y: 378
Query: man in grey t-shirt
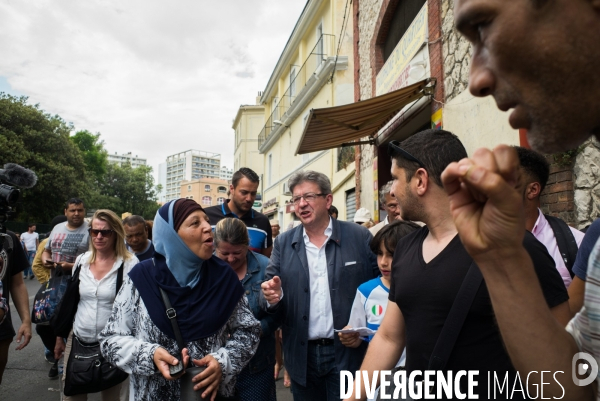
x: 68, y: 240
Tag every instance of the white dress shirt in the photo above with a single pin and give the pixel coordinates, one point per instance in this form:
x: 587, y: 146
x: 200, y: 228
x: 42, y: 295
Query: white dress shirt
x: 320, y: 323
x: 544, y: 233
x: 96, y: 297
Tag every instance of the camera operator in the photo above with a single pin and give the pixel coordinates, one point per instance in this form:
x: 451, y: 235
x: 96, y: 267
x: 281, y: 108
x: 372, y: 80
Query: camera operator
x: 13, y: 262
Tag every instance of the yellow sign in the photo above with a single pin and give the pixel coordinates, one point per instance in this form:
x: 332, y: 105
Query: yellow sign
x: 436, y: 119
x: 405, y: 50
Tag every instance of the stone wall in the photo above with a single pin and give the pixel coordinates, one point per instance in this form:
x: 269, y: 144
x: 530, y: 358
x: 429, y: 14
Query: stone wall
x: 587, y: 183
x: 456, y: 52
x: 368, y: 14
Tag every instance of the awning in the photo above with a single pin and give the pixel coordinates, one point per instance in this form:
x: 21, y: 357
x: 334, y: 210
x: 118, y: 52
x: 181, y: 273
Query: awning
x: 331, y: 127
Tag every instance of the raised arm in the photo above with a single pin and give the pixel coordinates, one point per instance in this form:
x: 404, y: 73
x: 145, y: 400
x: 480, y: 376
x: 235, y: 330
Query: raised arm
x: 488, y: 212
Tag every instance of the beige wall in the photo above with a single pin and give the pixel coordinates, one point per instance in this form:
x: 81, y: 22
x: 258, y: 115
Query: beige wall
x: 247, y: 125
x: 196, y: 190
x: 478, y: 122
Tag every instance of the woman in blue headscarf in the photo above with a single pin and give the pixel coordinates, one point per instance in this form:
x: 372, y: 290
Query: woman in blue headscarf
x: 216, y: 323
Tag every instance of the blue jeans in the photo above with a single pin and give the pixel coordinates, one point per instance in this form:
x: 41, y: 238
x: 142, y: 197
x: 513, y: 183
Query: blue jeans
x: 322, y: 376
x: 28, y: 272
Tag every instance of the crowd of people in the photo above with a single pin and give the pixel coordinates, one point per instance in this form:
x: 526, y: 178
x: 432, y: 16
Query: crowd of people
x: 464, y: 274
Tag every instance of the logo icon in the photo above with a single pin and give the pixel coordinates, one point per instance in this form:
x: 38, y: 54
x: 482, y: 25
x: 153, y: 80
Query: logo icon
x: 583, y: 364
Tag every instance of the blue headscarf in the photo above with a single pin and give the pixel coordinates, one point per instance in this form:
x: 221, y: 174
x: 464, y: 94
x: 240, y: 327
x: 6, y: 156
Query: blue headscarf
x: 204, y: 293
x: 181, y: 261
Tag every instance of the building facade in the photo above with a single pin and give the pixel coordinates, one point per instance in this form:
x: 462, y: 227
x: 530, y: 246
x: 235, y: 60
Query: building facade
x: 247, y: 125
x: 205, y: 191
x: 126, y: 158
x: 315, y: 70
x: 189, y: 165
x: 225, y: 173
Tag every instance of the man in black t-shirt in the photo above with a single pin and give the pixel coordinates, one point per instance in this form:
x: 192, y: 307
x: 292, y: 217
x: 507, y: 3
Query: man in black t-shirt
x: 429, y: 267
x: 243, y: 189
x: 13, y: 261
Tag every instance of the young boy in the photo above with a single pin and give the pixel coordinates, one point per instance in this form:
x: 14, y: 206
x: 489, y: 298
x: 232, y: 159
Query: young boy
x: 372, y: 297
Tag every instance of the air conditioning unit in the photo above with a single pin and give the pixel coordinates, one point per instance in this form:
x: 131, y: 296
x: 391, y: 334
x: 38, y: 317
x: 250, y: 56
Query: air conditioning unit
x: 286, y: 190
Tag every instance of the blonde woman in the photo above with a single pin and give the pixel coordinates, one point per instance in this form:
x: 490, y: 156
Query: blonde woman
x: 97, y: 284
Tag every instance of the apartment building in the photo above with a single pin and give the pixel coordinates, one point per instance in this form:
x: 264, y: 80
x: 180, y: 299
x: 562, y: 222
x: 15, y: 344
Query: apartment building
x: 126, y: 158
x: 205, y: 191
x: 314, y: 70
x: 189, y: 165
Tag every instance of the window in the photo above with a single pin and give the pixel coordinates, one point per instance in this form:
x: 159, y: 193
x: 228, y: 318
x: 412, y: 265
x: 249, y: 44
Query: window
x: 270, y: 169
x: 222, y: 190
x: 293, y: 82
x: 207, y: 188
x: 403, y: 16
x: 319, y: 48
x: 189, y: 188
x: 207, y: 200
x: 220, y: 201
x: 275, y: 109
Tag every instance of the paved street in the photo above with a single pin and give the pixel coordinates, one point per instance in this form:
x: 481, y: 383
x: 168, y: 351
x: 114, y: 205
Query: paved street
x: 26, y: 374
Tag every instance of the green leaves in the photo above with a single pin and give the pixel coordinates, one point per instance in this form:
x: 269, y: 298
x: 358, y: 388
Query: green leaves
x: 67, y: 166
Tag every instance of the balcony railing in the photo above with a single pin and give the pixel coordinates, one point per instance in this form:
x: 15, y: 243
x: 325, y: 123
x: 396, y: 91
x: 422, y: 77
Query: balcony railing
x: 324, y: 48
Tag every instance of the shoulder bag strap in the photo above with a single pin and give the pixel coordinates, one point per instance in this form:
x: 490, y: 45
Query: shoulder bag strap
x: 120, y: 277
x: 171, y: 314
x: 456, y: 318
x: 567, y: 245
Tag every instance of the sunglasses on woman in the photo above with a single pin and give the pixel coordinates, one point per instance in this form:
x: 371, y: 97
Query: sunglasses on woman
x: 105, y: 233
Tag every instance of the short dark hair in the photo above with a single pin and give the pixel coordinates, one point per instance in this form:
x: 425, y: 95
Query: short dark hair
x: 534, y: 164
x: 332, y: 210
x: 435, y: 149
x: 244, y: 172
x: 73, y: 201
x: 134, y: 220
x: 29, y: 225
x: 390, y: 234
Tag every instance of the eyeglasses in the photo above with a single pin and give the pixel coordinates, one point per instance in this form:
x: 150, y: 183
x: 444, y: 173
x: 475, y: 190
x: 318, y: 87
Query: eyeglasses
x: 309, y: 197
x: 394, y: 147
x: 105, y: 233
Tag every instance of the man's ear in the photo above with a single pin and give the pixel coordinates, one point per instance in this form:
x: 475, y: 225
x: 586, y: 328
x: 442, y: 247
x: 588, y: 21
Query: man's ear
x: 533, y: 190
x: 422, y: 177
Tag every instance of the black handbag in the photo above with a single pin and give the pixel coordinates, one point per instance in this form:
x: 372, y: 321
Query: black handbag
x: 64, y: 314
x: 87, y: 370
x: 49, y: 296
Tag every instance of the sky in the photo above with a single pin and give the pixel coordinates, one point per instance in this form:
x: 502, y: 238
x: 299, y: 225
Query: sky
x: 152, y: 77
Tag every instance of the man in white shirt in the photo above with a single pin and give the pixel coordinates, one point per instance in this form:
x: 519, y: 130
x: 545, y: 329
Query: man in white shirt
x: 390, y: 204
x: 535, y: 172
x: 31, y: 239
x: 313, y: 275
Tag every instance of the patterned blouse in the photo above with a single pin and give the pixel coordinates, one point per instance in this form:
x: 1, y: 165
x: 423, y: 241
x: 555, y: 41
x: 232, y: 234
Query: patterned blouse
x: 130, y: 339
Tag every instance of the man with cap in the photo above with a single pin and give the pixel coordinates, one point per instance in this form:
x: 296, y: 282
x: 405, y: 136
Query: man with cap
x: 363, y: 217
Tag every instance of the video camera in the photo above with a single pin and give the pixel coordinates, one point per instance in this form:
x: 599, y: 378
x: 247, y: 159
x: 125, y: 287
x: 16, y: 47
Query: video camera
x: 12, y: 176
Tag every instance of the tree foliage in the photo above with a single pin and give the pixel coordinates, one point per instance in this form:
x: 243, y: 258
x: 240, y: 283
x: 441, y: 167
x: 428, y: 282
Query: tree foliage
x: 126, y: 189
x: 68, y: 166
x: 40, y: 142
x: 94, y: 154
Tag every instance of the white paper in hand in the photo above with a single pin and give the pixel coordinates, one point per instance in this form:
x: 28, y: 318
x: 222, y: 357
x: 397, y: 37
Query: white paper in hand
x: 362, y: 331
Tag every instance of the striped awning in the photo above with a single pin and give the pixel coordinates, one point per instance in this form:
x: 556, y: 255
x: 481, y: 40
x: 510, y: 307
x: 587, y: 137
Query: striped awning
x: 331, y: 127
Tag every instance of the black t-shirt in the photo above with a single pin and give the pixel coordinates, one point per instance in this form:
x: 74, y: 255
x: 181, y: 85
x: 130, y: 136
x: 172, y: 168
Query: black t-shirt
x: 259, y: 227
x: 425, y: 293
x: 11, y: 264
